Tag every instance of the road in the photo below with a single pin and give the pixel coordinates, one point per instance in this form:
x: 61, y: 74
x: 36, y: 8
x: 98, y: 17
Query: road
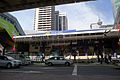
x: 75, y: 72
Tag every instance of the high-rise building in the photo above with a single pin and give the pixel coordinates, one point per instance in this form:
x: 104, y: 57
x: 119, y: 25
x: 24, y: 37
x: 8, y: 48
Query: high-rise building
x: 63, y: 23
x: 56, y: 27
x: 115, y: 6
x: 44, y: 18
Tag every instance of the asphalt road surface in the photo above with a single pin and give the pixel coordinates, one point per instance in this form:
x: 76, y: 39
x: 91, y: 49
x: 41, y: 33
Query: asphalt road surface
x: 75, y: 72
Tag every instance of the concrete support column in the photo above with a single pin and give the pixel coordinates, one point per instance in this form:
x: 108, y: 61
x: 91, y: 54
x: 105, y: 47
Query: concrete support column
x: 100, y: 50
x: 23, y: 48
x: 86, y: 54
x: 4, y: 50
x: 70, y: 49
x: 28, y: 54
x: 86, y: 47
x: 43, y: 50
x: 113, y: 48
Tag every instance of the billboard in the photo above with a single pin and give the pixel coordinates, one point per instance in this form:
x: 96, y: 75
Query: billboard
x: 57, y: 32
x: 8, y: 27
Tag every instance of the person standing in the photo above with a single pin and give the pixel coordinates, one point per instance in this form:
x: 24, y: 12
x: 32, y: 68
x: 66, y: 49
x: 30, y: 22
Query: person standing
x: 109, y: 57
x: 106, y: 58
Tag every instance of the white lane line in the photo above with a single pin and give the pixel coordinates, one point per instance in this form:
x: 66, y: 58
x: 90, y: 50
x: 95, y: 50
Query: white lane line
x: 75, y: 70
x: 22, y: 71
x: 49, y: 68
x: 37, y: 72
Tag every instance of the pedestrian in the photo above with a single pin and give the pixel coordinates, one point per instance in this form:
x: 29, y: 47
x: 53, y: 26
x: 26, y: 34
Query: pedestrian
x: 43, y: 57
x: 74, y: 57
x: 106, y: 58
x: 109, y: 56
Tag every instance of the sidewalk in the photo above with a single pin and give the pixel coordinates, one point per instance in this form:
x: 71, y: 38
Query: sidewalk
x: 78, y: 64
x: 38, y: 64
x: 93, y: 64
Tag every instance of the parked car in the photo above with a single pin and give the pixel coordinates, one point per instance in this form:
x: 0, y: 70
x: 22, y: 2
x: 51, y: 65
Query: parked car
x: 28, y: 60
x: 58, y: 60
x: 115, y: 60
x: 25, y: 60
x: 37, y: 59
x: 9, y: 62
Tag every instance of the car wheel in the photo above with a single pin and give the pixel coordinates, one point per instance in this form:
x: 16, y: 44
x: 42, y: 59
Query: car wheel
x: 50, y: 64
x: 9, y: 65
x: 67, y: 64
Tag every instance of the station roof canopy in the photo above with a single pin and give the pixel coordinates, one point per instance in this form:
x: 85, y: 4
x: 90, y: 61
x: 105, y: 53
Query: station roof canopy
x: 78, y: 35
x: 14, y: 5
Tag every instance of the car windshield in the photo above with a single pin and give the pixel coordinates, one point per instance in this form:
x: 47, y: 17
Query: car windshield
x: 10, y: 58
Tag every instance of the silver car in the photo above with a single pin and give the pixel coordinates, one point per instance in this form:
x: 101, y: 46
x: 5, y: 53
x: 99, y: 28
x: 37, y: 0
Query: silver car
x: 58, y: 60
x: 9, y: 62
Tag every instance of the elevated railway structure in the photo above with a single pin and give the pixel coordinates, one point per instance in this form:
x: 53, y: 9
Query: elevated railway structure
x: 15, y: 5
x: 77, y: 35
x: 100, y: 38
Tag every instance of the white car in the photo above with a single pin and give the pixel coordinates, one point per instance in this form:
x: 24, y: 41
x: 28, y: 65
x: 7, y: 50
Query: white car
x: 9, y: 62
x: 28, y: 60
x: 25, y: 60
x: 58, y: 60
x: 117, y: 62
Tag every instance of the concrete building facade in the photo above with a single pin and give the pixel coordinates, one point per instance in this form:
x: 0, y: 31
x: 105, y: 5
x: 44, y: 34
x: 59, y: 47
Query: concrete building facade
x: 56, y: 28
x: 63, y: 23
x: 44, y: 18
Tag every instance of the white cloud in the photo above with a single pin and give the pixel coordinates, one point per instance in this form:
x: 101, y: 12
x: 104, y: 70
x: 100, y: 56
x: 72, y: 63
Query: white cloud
x: 81, y: 15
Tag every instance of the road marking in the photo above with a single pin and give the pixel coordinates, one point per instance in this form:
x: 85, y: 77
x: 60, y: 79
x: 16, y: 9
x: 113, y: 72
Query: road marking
x: 48, y: 68
x: 75, y: 70
x: 37, y: 72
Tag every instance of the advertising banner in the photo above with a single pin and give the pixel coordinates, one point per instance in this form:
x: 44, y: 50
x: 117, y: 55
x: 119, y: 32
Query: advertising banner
x: 8, y: 27
x: 57, y: 32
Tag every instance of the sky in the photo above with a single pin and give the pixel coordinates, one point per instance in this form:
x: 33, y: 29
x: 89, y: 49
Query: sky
x: 79, y: 15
